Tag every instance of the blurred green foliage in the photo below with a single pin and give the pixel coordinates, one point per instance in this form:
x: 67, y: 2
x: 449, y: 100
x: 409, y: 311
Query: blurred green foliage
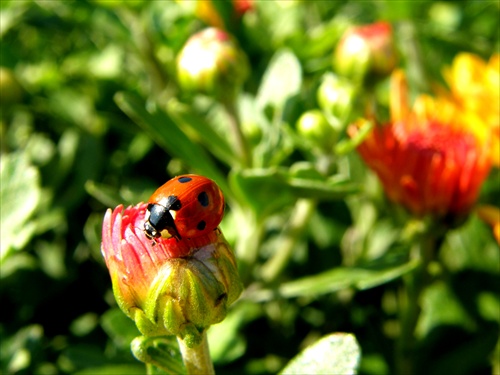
x: 91, y: 117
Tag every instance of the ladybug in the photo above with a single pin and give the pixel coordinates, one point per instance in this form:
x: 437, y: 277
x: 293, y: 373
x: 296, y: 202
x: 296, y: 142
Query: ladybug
x: 186, y: 206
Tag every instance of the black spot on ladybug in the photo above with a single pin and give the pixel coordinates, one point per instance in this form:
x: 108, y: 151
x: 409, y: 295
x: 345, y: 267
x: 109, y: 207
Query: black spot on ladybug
x: 203, y: 199
x: 173, y: 203
x: 183, y: 180
x: 201, y: 225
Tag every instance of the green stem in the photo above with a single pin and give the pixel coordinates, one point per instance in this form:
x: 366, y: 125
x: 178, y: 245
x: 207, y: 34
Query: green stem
x: 197, y: 360
x: 410, y: 305
x: 241, y: 147
x: 301, y: 215
x: 411, y: 49
x: 249, y: 241
x: 146, y: 51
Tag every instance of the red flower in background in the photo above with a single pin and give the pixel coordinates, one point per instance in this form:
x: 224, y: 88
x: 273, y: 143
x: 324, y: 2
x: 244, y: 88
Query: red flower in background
x: 242, y: 6
x: 427, y: 165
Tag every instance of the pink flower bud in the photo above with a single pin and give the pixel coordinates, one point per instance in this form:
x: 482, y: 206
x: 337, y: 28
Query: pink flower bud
x: 168, y: 287
x: 367, y: 50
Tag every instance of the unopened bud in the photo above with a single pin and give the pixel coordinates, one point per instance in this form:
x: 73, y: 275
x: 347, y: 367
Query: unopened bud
x: 212, y: 63
x: 336, y: 97
x: 314, y: 127
x: 366, y: 52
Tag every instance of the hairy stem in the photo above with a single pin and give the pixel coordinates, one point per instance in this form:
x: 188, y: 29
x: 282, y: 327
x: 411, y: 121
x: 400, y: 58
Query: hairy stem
x: 301, y: 214
x: 241, y: 148
x: 410, y: 305
x: 197, y: 360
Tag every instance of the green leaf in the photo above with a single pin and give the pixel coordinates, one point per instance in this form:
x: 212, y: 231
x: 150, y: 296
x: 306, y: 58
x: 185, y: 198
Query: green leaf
x: 119, y: 327
x: 264, y: 190
x: 186, y: 118
x: 279, y: 21
x: 337, y: 353
x: 349, y: 144
x: 318, y: 41
x: 80, y: 356
x: 225, y: 9
x: 281, y: 81
x: 359, y: 278
x: 267, y: 190
x: 103, y: 193
x: 164, y: 131
x: 161, y: 351
x: 19, y: 351
x: 225, y: 339
x: 333, y: 188
x: 20, y: 197
x: 440, y: 307
x: 114, y: 369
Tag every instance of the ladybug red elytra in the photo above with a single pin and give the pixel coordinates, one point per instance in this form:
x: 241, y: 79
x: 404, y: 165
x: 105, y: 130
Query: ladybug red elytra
x: 186, y: 206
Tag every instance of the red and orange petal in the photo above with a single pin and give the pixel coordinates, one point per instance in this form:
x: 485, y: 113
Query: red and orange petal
x: 430, y: 169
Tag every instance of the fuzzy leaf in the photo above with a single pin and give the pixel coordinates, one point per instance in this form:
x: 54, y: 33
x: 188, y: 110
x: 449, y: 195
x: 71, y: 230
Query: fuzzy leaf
x: 20, y: 197
x: 338, y: 353
x: 360, y: 278
x: 282, y: 80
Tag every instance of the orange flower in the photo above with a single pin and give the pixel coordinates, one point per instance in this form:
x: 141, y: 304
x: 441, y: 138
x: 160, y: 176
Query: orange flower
x: 426, y: 164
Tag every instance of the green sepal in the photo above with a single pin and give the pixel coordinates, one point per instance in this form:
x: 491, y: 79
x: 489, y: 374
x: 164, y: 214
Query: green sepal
x: 190, y: 294
x: 161, y: 352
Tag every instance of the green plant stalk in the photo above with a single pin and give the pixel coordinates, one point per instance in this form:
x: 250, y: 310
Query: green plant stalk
x: 249, y: 241
x: 301, y: 215
x: 411, y: 49
x: 155, y: 370
x: 241, y: 148
x: 197, y: 360
x: 410, y: 298
x: 302, y: 212
x: 145, y: 48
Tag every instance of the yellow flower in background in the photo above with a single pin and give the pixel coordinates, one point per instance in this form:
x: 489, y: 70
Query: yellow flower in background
x: 475, y: 90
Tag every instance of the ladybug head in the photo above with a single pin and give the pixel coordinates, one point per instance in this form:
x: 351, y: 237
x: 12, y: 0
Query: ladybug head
x: 158, y: 218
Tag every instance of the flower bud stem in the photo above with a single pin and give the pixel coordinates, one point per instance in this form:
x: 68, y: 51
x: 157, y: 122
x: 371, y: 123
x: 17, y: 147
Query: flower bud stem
x: 410, y: 302
x: 145, y: 48
x: 301, y: 215
x: 411, y: 49
x: 241, y: 146
x: 197, y: 359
